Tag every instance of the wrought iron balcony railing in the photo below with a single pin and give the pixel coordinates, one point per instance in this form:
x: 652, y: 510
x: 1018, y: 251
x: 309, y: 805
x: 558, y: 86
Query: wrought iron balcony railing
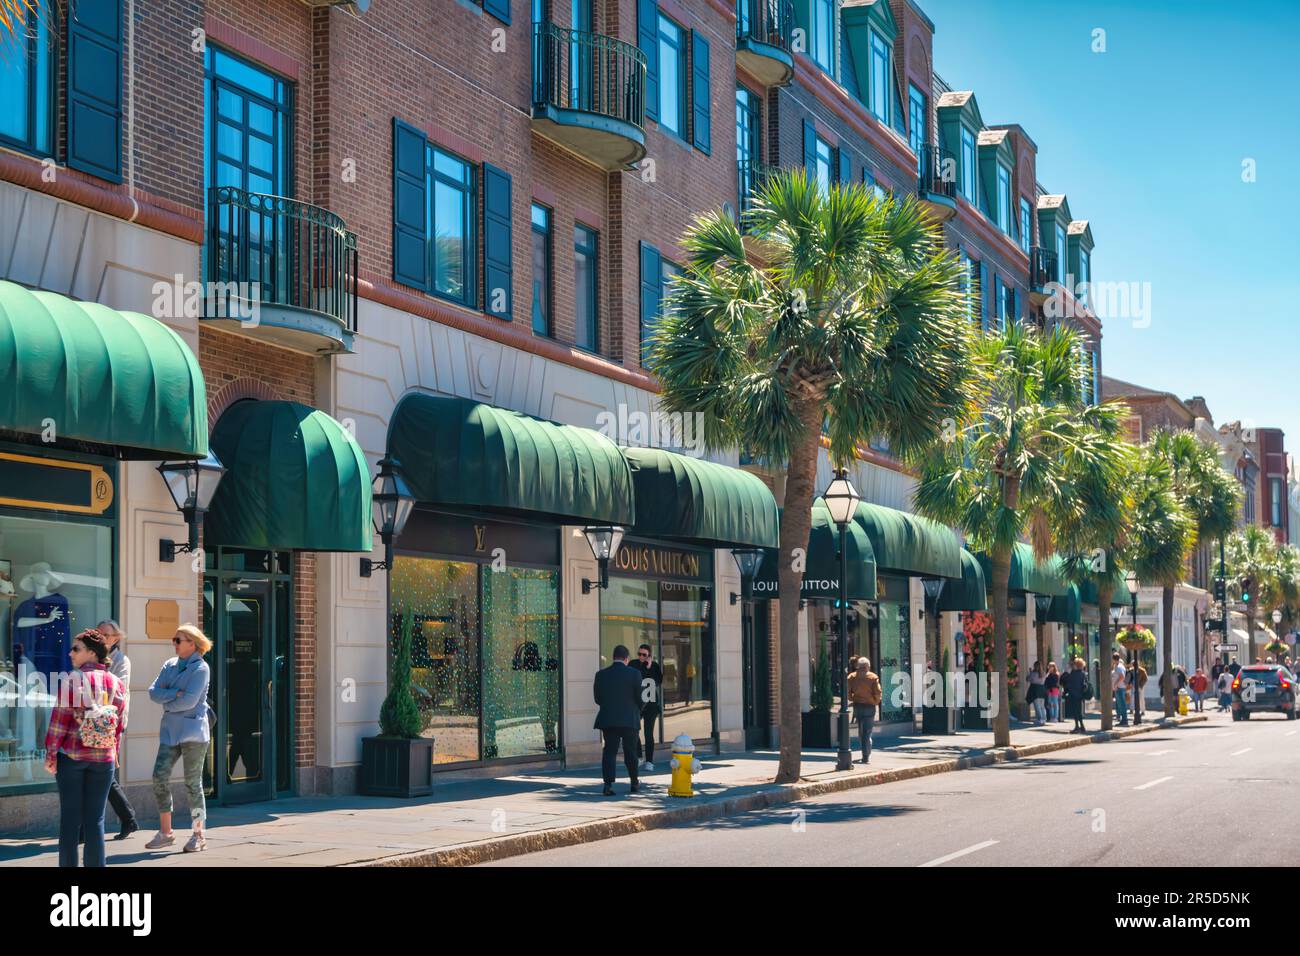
x: 588, y: 72
x: 1043, y: 267
x: 770, y: 22
x: 937, y: 172
x: 750, y: 176
x: 284, y: 252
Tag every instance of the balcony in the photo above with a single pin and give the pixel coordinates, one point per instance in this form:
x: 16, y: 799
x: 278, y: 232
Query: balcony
x: 280, y: 271
x: 1042, y: 271
x: 937, y: 181
x: 764, y: 39
x: 589, y: 95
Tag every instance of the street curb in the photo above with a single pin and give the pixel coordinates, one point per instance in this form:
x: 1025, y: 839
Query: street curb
x: 500, y: 848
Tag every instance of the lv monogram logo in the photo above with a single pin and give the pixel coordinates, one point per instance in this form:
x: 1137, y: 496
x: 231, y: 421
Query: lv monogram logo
x: 480, y: 537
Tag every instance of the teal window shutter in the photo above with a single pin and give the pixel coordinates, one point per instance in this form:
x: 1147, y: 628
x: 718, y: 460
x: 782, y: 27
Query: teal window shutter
x: 810, y: 147
x: 1015, y: 294
x: 702, y: 112
x: 498, y: 8
x: 984, y: 297
x: 411, y: 246
x: 995, y: 319
x: 497, y: 272
x: 846, y: 166
x: 647, y: 38
x: 94, y: 81
x: 651, y: 292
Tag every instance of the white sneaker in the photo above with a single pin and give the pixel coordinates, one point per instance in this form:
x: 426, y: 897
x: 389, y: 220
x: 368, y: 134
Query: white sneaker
x: 160, y: 841
x: 196, y: 843
x: 648, y: 766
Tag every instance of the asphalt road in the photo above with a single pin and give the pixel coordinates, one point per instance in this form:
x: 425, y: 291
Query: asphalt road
x: 1213, y: 793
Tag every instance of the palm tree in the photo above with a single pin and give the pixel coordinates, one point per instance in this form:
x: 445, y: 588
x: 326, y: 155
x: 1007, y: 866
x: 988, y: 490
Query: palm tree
x: 1252, y: 552
x: 1013, y: 466
x: 1211, y: 497
x: 14, y: 14
x: 1287, y: 569
x: 853, y: 322
x: 1089, y: 540
x: 1161, y: 531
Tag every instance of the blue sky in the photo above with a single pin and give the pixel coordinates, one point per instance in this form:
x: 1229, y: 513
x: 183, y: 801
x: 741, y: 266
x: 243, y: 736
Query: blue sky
x: 1148, y: 140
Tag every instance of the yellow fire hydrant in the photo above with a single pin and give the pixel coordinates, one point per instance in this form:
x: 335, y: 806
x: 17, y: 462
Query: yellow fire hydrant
x: 1183, y: 698
x: 684, y: 766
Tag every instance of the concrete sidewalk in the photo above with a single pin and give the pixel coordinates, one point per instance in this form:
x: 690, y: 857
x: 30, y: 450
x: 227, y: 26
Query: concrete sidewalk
x: 468, y: 822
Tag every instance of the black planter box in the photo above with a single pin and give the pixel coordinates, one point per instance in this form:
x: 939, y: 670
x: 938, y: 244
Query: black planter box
x: 395, y: 767
x: 934, y: 720
x: 817, y: 729
x: 971, y: 719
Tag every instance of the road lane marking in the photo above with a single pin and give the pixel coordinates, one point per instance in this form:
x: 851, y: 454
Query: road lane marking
x: 1292, y: 733
x: 952, y: 856
x: 1228, y: 734
x: 1160, y: 753
x: 1244, y: 750
x: 1153, y: 783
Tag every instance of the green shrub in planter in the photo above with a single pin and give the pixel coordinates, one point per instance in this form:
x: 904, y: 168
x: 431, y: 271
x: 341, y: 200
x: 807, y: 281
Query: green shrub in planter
x: 399, y: 717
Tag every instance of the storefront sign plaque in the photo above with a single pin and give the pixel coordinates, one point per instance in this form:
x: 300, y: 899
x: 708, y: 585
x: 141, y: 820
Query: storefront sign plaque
x: 161, y: 618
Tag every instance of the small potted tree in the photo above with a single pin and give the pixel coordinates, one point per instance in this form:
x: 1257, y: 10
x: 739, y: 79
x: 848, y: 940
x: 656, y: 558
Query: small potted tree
x: 399, y: 762
x: 817, y: 722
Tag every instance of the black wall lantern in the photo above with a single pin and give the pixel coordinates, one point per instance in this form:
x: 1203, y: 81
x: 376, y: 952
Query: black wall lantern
x: 391, y: 504
x: 191, y: 485
x: 749, y: 560
x: 604, y: 541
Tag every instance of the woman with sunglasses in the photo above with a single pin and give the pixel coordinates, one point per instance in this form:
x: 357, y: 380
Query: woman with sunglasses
x: 83, y: 771
x: 181, y: 687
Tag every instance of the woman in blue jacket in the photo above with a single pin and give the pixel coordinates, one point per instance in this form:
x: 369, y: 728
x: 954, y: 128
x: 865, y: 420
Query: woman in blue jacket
x: 181, y: 687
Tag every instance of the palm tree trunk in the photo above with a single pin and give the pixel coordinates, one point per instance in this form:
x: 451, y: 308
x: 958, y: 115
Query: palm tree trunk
x: 796, y: 526
x: 1000, y: 567
x: 1104, y: 690
x: 1168, y: 643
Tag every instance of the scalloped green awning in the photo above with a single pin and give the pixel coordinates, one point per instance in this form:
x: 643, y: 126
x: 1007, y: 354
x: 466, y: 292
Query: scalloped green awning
x: 1030, y: 574
x: 102, y: 376
x: 458, y: 453
x: 909, y: 544
x: 821, y: 579
x: 295, y: 480
x: 1119, y: 596
x: 1066, y: 608
x: 968, y: 592
x: 689, y: 499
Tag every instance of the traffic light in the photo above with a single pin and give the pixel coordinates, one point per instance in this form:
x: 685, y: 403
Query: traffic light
x: 1247, y: 589
x: 1220, y: 590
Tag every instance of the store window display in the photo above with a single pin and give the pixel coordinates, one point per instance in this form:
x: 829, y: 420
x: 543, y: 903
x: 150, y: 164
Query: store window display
x: 55, y: 580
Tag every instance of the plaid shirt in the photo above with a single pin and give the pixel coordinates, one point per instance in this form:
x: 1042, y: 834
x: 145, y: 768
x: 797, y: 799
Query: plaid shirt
x: 87, y: 686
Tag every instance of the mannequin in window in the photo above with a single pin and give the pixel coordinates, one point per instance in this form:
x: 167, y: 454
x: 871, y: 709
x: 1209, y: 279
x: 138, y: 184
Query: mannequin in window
x: 41, y: 621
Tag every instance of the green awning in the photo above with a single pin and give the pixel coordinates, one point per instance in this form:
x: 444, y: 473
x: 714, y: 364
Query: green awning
x: 689, y: 499
x: 1119, y: 596
x: 909, y: 544
x: 1028, y: 573
x: 1066, y: 608
x: 98, y: 375
x: 295, y: 480
x: 968, y: 592
x: 821, y: 579
x: 462, y: 454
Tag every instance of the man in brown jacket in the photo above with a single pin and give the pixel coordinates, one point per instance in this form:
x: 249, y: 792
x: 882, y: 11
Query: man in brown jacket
x: 865, y: 695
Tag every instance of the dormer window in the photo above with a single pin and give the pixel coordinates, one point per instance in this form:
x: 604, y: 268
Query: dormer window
x: 880, y: 77
x: 1083, y: 278
x: 1026, y: 225
x: 968, y: 165
x: 821, y: 39
x: 1004, y: 199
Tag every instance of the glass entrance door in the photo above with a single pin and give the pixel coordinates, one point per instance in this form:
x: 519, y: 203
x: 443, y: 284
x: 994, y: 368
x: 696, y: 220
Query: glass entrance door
x: 756, y: 671
x: 245, y: 715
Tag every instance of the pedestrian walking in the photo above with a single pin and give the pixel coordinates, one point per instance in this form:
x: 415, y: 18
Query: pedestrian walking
x: 81, y: 747
x: 617, y: 689
x: 1199, y: 684
x: 652, y: 685
x: 119, y: 665
x: 865, y: 694
x: 1036, y: 693
x: 1119, y: 684
x: 1224, y: 690
x: 1052, y: 687
x: 181, y: 687
x: 1075, y: 686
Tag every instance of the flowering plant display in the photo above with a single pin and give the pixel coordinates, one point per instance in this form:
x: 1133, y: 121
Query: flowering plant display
x: 1136, y: 638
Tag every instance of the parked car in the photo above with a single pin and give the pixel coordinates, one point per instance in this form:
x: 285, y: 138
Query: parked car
x: 1266, y: 687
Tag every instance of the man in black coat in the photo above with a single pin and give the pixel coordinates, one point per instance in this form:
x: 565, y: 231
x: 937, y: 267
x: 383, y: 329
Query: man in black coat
x: 617, y: 690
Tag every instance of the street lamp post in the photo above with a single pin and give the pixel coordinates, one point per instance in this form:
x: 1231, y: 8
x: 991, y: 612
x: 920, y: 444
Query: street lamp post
x: 1131, y: 580
x: 1277, y: 625
x: 841, y: 500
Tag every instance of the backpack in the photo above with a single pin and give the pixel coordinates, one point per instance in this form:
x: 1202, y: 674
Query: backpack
x: 98, y: 727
